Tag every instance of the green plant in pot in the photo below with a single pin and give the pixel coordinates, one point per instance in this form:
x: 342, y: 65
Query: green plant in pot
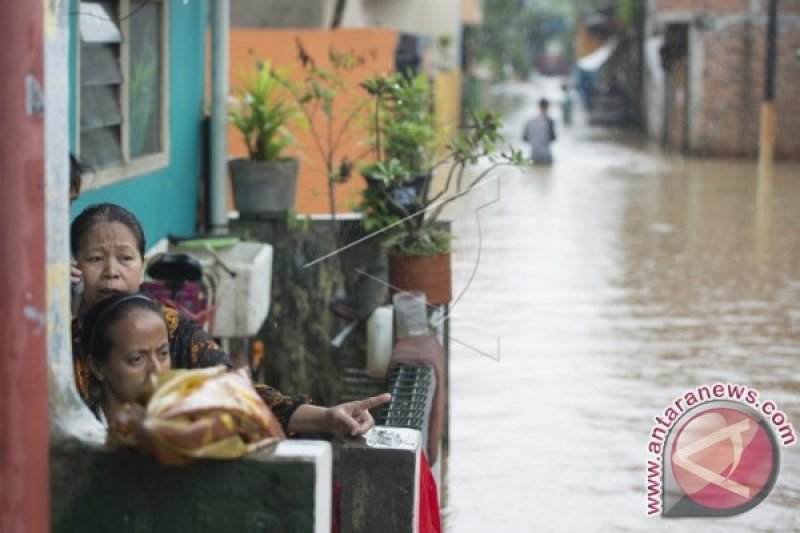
x: 403, y: 207
x: 262, y: 109
x: 403, y: 129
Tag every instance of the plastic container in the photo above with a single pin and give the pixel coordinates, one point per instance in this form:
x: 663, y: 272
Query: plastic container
x: 411, y: 313
x: 379, y: 341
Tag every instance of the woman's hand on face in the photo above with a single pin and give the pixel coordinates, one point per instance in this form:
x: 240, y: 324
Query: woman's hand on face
x: 352, y: 418
x: 75, y: 274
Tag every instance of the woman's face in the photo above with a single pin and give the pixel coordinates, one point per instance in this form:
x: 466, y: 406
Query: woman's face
x: 140, y: 347
x: 110, y: 261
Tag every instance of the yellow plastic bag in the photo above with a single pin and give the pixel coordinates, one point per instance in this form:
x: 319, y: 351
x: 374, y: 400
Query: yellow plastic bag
x: 201, y: 413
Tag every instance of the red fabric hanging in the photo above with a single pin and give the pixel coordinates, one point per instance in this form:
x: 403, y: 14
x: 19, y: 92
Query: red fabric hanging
x: 429, y: 516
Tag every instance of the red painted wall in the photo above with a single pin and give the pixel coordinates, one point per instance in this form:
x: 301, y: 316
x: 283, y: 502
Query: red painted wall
x: 24, y: 439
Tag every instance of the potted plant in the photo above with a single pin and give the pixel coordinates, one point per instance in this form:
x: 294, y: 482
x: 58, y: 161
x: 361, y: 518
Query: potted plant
x: 400, y: 200
x: 403, y: 128
x: 266, y: 181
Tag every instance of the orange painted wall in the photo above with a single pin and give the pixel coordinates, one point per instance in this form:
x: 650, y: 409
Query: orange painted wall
x: 377, y: 46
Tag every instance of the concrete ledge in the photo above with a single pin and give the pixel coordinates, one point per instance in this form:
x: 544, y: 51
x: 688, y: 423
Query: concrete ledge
x: 94, y: 489
x: 379, y: 478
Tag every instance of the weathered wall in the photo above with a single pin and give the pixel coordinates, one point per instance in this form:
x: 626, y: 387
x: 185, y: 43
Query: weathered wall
x: 734, y: 87
x: 100, y: 490
x: 276, y: 14
x: 726, y: 73
x: 68, y: 412
x: 298, y: 332
x: 23, y: 370
x: 379, y: 477
x: 376, y: 46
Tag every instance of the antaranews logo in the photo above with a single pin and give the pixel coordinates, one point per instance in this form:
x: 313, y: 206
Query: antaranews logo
x: 714, y: 452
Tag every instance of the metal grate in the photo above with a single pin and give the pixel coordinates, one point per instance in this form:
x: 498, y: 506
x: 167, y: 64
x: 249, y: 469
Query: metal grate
x: 412, y: 388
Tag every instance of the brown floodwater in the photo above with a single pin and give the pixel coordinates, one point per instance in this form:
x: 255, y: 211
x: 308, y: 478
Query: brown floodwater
x: 594, y: 293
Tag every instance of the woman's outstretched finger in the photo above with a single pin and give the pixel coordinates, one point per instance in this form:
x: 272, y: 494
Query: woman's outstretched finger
x: 375, y: 401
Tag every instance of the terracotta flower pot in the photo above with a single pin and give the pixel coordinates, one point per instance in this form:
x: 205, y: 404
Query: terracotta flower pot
x: 428, y: 273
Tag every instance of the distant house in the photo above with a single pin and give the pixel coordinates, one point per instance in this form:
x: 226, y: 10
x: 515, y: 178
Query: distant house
x: 136, y: 79
x: 607, y: 69
x: 705, y: 76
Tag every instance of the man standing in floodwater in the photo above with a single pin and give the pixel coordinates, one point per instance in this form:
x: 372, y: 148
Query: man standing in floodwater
x: 540, y: 131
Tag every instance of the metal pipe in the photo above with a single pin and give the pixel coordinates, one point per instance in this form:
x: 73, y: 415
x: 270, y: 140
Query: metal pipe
x: 218, y: 190
x: 24, y: 437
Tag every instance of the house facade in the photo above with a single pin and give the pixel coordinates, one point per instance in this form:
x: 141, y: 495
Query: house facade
x: 136, y: 107
x: 704, y: 75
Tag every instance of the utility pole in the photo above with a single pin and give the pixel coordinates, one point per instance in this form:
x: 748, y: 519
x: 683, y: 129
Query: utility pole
x: 766, y: 145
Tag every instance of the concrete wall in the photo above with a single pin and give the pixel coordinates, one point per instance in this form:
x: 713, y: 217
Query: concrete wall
x: 68, y: 413
x: 100, y: 490
x: 726, y: 73
x: 166, y: 200
x: 419, y: 17
x: 379, y: 476
x: 441, y: 18
x: 277, y: 14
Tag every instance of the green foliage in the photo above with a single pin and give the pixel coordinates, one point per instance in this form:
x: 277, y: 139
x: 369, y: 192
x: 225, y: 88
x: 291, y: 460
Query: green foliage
x: 405, y: 209
x: 387, y: 173
x: 630, y: 13
x: 403, y: 122
x: 432, y: 242
x: 513, y: 32
x: 261, y: 111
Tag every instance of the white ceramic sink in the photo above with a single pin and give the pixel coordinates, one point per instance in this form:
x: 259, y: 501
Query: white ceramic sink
x: 242, y: 300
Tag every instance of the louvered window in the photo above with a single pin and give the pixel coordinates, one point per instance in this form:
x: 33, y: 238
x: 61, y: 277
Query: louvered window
x: 122, y: 118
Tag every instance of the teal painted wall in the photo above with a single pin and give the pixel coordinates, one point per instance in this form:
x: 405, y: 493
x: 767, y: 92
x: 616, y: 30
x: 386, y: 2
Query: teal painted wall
x: 165, y: 201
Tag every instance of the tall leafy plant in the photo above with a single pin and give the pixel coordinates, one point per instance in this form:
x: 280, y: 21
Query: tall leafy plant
x: 403, y: 120
x: 262, y: 109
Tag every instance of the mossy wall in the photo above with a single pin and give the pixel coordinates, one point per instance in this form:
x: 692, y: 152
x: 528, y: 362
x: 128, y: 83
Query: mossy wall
x: 100, y: 490
x: 298, y: 331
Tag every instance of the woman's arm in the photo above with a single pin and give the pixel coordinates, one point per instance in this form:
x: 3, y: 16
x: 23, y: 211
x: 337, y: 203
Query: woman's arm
x: 346, y: 419
x: 192, y: 347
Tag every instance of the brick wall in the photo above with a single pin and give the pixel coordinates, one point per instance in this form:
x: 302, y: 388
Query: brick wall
x: 705, y: 6
x: 733, y: 75
x: 733, y: 87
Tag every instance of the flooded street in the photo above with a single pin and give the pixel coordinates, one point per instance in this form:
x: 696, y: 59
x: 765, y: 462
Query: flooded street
x: 603, y: 288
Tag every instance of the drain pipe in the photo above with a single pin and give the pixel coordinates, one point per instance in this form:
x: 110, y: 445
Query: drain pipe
x: 218, y: 190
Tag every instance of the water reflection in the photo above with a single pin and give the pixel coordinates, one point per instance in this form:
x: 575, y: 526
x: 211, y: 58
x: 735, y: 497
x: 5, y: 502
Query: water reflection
x: 614, y: 281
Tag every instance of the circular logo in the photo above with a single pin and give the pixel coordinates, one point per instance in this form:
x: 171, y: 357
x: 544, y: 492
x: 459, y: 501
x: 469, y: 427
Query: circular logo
x: 725, y: 458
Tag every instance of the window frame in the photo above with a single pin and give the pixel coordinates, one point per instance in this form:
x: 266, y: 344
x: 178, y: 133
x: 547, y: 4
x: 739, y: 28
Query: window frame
x: 129, y: 167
